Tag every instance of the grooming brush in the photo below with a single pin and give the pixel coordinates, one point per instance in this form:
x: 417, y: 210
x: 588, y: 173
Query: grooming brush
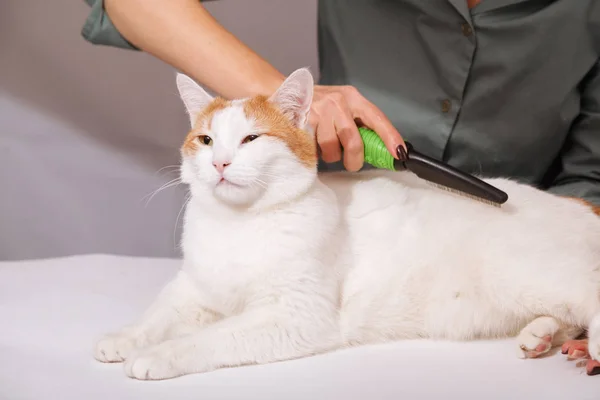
x: 439, y: 174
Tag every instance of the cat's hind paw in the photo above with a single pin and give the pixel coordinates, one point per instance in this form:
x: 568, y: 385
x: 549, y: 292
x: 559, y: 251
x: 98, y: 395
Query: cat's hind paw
x: 115, y: 347
x: 531, y: 346
x: 536, y: 338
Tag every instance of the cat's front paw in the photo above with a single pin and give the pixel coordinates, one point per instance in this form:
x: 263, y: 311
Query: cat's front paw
x: 166, y: 360
x: 115, y: 347
x: 163, y: 361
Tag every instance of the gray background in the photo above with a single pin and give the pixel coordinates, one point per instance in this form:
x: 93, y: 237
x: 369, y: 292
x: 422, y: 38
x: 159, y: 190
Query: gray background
x: 85, y: 130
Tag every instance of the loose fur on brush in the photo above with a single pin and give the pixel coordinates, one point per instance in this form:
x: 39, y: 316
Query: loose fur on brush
x: 280, y: 262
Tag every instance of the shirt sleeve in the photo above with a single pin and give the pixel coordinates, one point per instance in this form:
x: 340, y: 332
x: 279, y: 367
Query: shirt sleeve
x: 579, y: 174
x: 98, y: 28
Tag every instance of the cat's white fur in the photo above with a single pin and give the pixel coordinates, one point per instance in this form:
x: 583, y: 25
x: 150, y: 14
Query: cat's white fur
x: 281, y: 263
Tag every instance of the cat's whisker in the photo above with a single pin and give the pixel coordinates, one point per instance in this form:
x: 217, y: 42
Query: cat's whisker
x: 265, y: 186
x: 261, y: 183
x: 186, y: 200
x: 168, y: 166
x: 267, y: 172
x: 275, y: 176
x: 173, y: 182
x: 254, y: 184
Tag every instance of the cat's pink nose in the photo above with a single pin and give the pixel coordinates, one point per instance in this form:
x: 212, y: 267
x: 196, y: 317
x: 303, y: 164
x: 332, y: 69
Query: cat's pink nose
x: 220, y: 166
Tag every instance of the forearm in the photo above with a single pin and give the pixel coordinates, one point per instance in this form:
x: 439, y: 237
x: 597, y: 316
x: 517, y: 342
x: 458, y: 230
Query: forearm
x: 183, y: 34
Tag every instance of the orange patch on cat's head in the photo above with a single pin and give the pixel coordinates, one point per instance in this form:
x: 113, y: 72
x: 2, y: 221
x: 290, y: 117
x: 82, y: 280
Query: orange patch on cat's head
x: 204, y: 119
x: 595, y: 209
x: 277, y: 125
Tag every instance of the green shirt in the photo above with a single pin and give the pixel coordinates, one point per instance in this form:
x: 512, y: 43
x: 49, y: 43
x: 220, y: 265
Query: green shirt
x: 509, y: 88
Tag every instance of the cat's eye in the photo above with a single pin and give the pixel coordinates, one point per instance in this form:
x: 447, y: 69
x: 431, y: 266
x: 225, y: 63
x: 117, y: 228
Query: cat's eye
x: 249, y: 138
x: 205, y: 139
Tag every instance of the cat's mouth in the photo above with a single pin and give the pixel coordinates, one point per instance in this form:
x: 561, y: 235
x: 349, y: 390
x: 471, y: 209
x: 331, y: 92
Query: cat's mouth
x: 224, y: 181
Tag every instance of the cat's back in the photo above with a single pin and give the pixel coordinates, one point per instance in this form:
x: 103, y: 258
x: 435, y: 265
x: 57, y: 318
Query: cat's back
x: 374, y: 194
x: 397, y: 222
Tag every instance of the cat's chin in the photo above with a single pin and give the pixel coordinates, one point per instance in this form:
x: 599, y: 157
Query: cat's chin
x: 236, y: 194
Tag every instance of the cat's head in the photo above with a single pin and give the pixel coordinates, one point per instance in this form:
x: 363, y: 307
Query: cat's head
x: 245, y: 151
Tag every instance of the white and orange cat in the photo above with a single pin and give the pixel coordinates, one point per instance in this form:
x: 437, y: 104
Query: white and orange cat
x: 280, y: 262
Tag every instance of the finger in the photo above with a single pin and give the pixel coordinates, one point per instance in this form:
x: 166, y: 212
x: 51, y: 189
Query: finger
x: 376, y: 120
x: 593, y: 367
x: 351, y: 140
x: 328, y: 140
x: 347, y: 132
x: 577, y: 354
x: 570, y: 346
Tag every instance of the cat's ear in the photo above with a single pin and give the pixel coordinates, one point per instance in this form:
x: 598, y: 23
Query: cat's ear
x: 294, y: 96
x: 193, y: 96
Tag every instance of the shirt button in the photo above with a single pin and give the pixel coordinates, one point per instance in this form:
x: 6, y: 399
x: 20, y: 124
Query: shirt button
x: 446, y: 105
x: 466, y: 29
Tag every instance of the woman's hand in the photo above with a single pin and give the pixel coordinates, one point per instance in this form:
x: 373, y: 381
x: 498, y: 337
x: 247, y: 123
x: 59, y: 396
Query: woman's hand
x: 336, y: 112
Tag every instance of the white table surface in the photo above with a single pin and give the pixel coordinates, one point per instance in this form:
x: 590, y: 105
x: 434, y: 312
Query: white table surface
x: 52, y: 311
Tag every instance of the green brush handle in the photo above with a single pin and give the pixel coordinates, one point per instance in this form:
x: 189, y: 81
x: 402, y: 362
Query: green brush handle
x: 429, y: 169
x: 375, y: 151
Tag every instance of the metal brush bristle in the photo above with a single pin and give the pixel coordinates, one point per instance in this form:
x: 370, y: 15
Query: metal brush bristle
x: 463, y: 194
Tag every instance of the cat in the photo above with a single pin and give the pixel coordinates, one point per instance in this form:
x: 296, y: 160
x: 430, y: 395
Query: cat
x: 281, y: 262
